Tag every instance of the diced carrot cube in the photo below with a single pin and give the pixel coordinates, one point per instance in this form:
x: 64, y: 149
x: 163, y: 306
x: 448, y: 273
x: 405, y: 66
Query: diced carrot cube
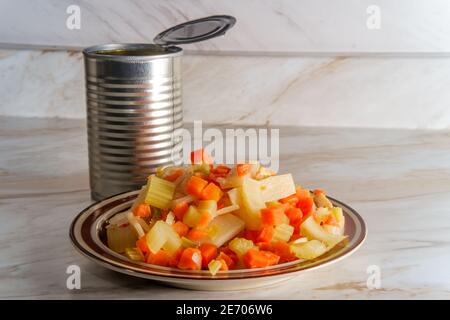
x: 282, y: 250
x: 141, y: 244
x: 211, y: 192
x: 180, y: 209
x: 191, y: 259
x: 195, y: 186
x: 196, y: 234
x: 209, y: 252
x: 306, y: 205
x: 243, y: 169
x: 254, y: 258
x: 295, y: 216
x: 272, y: 216
x: 143, y: 211
x: 160, y: 258
x: 292, y: 199
x: 199, y: 156
x: 180, y: 228
x: 228, y: 259
x: 265, y: 234
x: 174, y: 175
x: 318, y: 191
x: 224, y: 266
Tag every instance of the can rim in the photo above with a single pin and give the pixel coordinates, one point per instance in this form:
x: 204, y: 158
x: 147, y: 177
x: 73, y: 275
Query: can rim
x: 166, y: 51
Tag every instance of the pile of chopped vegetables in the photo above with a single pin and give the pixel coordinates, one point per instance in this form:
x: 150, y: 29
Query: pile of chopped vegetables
x: 207, y: 217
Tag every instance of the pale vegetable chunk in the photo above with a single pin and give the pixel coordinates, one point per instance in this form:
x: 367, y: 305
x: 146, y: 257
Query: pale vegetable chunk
x: 283, y: 232
x: 120, y: 238
x: 308, y: 250
x: 173, y: 242
x: 209, y: 206
x: 156, y: 237
x: 277, y: 187
x: 228, y: 209
x: 224, y: 228
x: 214, y: 266
x: 240, y: 246
x: 134, y: 254
x: 159, y: 192
x: 313, y: 231
x: 252, y: 203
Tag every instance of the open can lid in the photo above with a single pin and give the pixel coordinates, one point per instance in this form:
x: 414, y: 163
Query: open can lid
x: 196, y: 30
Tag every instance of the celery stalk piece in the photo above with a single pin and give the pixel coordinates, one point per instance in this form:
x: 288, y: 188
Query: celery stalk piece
x: 120, y: 238
x: 156, y: 237
x: 240, y: 246
x: 159, y: 193
x: 340, y: 218
x: 252, y: 203
x: 214, y: 266
x: 283, y: 232
x: 224, y: 228
x: 134, y: 254
x: 277, y: 187
x: 308, y: 250
x: 314, y: 231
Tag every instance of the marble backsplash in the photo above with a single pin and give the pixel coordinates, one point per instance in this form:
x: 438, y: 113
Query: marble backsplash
x: 275, y: 26
x: 383, y: 92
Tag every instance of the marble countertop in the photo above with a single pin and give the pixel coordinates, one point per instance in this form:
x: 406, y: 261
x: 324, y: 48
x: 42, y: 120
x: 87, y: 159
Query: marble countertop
x: 399, y: 181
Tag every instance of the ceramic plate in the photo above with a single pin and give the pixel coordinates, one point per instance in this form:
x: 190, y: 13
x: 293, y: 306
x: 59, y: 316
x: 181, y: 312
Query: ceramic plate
x: 88, y: 235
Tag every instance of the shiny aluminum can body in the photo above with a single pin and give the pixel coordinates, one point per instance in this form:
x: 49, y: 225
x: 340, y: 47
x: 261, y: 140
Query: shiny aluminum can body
x: 133, y: 94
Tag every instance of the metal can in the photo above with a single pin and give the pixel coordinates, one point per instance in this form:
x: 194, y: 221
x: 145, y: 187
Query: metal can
x: 134, y: 105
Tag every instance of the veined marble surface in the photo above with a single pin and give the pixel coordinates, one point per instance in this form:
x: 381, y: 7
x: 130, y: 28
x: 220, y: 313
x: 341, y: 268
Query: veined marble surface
x: 398, y: 180
x: 282, y: 26
x: 306, y: 91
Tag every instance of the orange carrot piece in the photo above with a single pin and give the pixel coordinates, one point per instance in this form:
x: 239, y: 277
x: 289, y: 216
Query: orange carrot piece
x: 265, y: 234
x: 224, y: 265
x: 221, y: 170
x: 295, y: 216
x: 272, y: 216
x: 180, y: 228
x: 254, y: 258
x: 174, y: 175
x: 196, y: 234
x: 306, y: 205
x: 318, y: 191
x: 195, y: 185
x: 199, y: 156
x: 141, y: 244
x: 161, y: 258
x: 292, y: 199
x: 211, y: 192
x: 190, y: 259
x: 228, y: 259
x: 180, y: 209
x: 143, y: 211
x: 209, y: 252
x: 243, y: 169
x: 281, y: 249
